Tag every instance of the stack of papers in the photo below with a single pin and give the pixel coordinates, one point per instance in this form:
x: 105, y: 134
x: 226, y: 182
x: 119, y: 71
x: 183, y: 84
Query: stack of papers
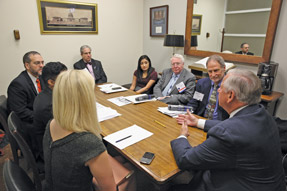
x: 170, y: 113
x: 132, y: 99
x: 119, y: 101
x: 128, y: 136
x: 105, y: 113
x: 111, y: 88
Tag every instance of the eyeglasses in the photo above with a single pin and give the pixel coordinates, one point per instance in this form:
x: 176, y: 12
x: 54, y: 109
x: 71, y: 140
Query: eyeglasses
x: 176, y: 64
x: 38, y: 62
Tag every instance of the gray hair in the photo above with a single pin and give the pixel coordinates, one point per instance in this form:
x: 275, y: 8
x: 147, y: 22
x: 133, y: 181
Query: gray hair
x: 178, y: 56
x: 245, y: 84
x: 216, y: 58
x: 83, y: 47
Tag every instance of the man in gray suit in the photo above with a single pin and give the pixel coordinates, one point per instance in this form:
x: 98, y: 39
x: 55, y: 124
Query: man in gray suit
x: 176, y: 85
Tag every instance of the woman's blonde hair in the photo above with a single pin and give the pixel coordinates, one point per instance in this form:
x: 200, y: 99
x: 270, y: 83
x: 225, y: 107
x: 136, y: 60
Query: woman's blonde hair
x: 74, y: 102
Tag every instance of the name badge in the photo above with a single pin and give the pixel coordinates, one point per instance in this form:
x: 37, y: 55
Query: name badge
x: 180, y: 87
x: 198, y: 96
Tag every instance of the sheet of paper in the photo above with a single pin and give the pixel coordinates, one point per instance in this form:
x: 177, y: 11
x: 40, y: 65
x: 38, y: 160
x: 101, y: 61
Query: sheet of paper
x: 133, y: 98
x: 108, y: 88
x: 119, y: 101
x: 128, y: 136
x: 170, y: 113
x: 105, y: 113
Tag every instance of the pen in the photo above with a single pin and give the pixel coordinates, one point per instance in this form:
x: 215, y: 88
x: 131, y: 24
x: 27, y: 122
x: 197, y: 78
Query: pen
x: 160, y: 123
x: 123, y: 139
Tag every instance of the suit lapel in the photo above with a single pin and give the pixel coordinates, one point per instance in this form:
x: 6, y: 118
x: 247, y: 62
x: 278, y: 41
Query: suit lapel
x: 180, y: 79
x: 31, y: 84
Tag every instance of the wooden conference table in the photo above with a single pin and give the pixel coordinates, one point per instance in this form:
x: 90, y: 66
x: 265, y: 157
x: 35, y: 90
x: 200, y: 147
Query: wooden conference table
x: 163, y: 168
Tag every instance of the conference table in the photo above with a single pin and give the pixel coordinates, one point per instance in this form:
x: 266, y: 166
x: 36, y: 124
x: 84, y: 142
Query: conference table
x: 164, y: 128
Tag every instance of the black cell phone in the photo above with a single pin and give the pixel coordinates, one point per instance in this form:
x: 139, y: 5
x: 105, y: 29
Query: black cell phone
x: 116, y: 88
x: 147, y: 158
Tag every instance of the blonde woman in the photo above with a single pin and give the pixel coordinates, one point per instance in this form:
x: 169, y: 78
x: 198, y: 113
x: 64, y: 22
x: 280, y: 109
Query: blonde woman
x: 73, y: 150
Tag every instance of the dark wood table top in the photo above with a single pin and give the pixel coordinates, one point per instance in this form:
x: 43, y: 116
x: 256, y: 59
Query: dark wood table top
x: 163, y: 167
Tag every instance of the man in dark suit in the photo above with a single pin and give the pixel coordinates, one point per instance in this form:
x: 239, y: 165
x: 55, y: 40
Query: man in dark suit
x: 23, y: 90
x: 242, y: 152
x: 93, y: 66
x: 42, y: 109
x: 244, y: 49
x: 176, y: 85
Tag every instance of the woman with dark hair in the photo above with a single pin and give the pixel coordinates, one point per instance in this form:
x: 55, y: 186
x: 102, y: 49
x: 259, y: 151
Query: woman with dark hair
x: 144, y: 77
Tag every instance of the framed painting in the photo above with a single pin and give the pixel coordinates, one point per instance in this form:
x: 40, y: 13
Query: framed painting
x: 159, y: 21
x: 196, y: 24
x: 57, y: 17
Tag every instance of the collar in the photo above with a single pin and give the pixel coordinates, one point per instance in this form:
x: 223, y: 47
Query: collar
x: 219, y: 84
x: 236, y: 111
x: 33, y: 78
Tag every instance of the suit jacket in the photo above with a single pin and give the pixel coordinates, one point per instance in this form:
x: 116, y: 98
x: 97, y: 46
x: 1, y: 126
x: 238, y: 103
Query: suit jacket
x: 21, y: 94
x: 97, y: 68
x: 240, y: 52
x: 176, y: 98
x: 42, y: 112
x: 241, y: 153
x: 203, y: 86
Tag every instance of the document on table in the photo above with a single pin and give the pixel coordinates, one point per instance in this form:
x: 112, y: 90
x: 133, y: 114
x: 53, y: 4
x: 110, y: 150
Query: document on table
x: 111, y: 88
x: 105, y: 113
x: 133, y: 98
x: 170, y: 113
x: 119, y: 101
x: 128, y: 136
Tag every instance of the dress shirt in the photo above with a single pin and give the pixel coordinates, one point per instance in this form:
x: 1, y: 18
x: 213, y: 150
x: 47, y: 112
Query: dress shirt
x: 90, y: 68
x: 33, y: 78
x: 170, y: 84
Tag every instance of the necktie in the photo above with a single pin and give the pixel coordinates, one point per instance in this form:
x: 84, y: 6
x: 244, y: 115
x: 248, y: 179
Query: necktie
x: 169, y: 86
x: 38, y: 85
x: 211, y: 104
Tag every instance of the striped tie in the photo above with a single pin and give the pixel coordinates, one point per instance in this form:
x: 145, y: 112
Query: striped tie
x: 38, y: 85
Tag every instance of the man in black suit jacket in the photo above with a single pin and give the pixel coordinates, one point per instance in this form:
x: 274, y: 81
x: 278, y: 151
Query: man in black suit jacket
x: 244, y: 49
x: 23, y: 90
x: 241, y: 153
x: 42, y: 108
x: 93, y: 66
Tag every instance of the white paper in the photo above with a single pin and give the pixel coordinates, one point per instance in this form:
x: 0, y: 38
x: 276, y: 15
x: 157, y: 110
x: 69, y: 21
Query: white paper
x: 158, y: 29
x: 202, y: 62
x: 119, y: 101
x: 105, y: 113
x: 170, y: 113
x: 107, y: 88
x: 133, y: 98
x: 135, y: 132
x: 198, y: 96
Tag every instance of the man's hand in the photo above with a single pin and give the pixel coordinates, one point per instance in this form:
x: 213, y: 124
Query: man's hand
x: 190, y: 119
x: 184, y: 129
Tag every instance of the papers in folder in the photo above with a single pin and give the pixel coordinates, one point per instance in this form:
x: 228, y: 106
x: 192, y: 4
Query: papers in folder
x: 133, y: 98
x: 105, y: 113
x: 111, y: 88
x: 128, y: 136
x: 170, y: 113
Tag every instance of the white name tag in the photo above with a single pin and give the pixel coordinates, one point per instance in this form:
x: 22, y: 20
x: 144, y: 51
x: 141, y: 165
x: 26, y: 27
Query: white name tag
x: 198, y: 96
x: 180, y: 87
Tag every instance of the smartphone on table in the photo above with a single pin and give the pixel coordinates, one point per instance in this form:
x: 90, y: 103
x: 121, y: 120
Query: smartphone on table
x: 147, y: 158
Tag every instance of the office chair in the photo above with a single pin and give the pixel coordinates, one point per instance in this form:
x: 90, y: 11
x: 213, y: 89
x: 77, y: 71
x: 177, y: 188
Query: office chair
x: 15, y: 178
x: 14, y: 123
x: 3, y: 121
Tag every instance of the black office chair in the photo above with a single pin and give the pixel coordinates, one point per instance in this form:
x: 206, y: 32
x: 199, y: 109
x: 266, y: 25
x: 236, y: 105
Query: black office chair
x: 14, y: 123
x: 3, y: 121
x: 15, y: 178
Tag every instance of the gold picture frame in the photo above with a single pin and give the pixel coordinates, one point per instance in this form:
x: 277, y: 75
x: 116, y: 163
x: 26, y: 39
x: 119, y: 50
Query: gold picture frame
x: 66, y: 17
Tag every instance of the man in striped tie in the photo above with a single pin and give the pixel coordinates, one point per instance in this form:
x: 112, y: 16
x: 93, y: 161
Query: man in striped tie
x: 23, y: 90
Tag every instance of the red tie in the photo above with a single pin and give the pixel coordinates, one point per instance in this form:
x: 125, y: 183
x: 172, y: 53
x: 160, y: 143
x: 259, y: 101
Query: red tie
x: 38, y: 85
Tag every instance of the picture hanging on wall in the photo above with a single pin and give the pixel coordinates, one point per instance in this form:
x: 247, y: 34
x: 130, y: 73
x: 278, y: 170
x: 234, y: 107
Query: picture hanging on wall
x: 64, y: 17
x: 159, y: 21
x: 196, y: 24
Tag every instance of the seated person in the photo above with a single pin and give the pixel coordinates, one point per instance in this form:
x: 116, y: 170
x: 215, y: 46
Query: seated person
x: 242, y: 152
x: 144, y: 77
x: 93, y: 66
x: 205, y: 98
x: 176, y: 85
x: 42, y: 108
x: 244, y: 49
x: 73, y: 148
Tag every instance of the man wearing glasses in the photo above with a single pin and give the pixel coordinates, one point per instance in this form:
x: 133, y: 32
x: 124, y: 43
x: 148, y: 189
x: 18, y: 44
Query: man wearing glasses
x: 23, y: 90
x: 176, y: 85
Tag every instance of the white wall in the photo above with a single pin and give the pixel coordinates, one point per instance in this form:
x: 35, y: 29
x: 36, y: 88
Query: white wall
x: 118, y: 44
